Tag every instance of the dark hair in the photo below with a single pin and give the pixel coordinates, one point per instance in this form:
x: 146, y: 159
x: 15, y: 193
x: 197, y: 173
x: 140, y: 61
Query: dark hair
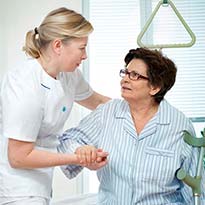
x: 161, y: 71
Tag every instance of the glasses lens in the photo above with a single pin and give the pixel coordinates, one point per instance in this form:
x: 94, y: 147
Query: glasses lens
x: 134, y: 75
x: 122, y: 73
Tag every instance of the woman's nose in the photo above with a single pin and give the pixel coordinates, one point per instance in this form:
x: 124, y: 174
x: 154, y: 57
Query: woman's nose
x: 84, y: 56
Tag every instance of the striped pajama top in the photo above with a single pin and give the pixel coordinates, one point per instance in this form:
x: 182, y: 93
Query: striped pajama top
x: 141, y: 168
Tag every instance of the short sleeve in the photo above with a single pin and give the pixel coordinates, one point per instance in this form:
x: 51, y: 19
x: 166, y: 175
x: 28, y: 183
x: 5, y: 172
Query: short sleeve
x: 21, y: 107
x: 82, y: 90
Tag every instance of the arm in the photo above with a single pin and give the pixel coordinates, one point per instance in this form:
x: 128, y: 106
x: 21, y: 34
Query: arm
x: 22, y: 125
x: 88, y: 132
x: 84, y: 95
x: 68, y: 146
x: 23, y: 155
x: 93, y: 101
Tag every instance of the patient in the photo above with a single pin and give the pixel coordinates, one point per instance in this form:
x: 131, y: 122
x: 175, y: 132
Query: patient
x: 142, y: 134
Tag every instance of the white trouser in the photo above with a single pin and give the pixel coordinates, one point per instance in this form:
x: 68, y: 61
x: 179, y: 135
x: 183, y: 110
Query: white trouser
x: 24, y: 201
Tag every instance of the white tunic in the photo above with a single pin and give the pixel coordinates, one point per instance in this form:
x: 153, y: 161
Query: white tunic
x: 34, y: 108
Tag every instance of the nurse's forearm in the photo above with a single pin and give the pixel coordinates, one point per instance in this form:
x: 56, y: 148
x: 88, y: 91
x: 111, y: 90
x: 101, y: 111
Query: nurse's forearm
x: 23, y: 155
x: 40, y: 159
x: 94, y: 100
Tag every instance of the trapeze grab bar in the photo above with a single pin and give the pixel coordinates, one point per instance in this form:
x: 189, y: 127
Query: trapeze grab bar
x: 194, y: 182
x: 178, y: 45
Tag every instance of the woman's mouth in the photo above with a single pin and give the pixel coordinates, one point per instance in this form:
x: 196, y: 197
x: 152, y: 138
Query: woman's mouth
x: 125, y: 88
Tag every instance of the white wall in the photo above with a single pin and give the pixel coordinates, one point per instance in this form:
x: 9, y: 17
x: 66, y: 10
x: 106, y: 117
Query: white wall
x: 19, y: 16
x: 3, y: 48
x: 16, y: 18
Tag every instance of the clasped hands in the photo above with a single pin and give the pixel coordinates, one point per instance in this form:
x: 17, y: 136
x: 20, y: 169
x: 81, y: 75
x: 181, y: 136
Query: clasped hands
x: 91, y: 157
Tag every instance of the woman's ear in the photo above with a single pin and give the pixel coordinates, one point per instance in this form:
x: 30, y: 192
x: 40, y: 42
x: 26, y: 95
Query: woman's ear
x: 57, y: 46
x: 154, y: 90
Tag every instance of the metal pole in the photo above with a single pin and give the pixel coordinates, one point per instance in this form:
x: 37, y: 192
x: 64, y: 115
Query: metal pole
x: 197, y: 200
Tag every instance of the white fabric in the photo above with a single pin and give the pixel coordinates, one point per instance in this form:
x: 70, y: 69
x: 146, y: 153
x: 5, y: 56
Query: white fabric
x: 34, y: 108
x: 24, y: 201
x: 86, y: 199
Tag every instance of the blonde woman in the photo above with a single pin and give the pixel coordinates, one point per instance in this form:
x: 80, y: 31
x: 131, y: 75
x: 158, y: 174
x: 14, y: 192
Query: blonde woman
x: 36, y: 99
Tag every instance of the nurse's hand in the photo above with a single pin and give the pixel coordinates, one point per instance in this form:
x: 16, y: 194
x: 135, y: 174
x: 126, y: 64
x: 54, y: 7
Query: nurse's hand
x: 87, y: 155
x: 100, y: 162
x: 97, y: 165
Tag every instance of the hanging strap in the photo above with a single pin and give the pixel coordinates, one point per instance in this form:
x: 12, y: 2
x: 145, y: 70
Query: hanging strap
x: 178, y: 45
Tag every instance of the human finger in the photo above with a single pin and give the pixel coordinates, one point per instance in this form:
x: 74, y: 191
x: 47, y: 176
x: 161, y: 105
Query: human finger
x: 101, y: 156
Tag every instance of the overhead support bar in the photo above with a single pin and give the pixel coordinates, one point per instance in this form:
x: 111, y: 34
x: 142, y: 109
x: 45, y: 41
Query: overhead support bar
x: 177, y: 45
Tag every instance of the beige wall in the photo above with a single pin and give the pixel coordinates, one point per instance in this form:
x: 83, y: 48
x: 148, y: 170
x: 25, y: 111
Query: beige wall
x: 19, y: 16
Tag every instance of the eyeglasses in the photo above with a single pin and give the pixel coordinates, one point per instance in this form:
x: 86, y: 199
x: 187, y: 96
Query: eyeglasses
x: 133, y: 75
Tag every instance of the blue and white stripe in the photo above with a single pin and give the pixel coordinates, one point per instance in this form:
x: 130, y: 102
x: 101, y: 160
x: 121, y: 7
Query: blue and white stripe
x: 141, y: 168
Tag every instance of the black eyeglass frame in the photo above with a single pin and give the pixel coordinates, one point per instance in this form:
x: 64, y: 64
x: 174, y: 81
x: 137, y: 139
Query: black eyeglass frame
x: 133, y: 75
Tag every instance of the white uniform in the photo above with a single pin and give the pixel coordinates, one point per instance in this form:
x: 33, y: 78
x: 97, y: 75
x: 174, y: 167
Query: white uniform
x: 34, y: 108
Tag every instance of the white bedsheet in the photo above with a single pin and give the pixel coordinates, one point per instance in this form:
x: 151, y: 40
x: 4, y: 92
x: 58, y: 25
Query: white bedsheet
x: 85, y: 199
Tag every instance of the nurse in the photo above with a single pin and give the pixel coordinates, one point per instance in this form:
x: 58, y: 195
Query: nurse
x: 35, y: 101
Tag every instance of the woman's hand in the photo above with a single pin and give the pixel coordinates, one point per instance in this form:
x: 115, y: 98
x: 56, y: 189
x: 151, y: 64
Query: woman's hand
x: 100, y: 162
x: 91, y: 157
x: 97, y: 165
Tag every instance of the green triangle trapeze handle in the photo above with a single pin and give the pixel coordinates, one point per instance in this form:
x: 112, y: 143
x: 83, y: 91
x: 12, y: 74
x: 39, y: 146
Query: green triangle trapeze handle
x: 178, y: 45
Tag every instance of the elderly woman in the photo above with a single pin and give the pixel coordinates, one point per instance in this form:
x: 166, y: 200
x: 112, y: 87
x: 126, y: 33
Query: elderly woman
x: 143, y: 135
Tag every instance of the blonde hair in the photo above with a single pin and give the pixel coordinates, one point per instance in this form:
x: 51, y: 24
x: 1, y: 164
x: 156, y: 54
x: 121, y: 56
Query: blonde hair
x: 61, y: 23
